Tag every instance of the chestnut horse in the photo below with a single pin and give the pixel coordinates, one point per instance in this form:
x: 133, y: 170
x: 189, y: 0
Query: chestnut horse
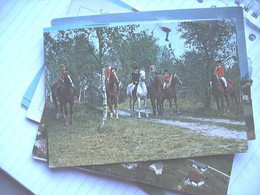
x: 170, y: 92
x: 64, y: 93
x: 218, y: 92
x: 112, y: 94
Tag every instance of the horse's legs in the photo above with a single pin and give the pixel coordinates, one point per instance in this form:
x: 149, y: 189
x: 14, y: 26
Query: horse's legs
x: 130, y: 105
x: 133, y: 105
x: 153, y: 105
x: 217, y: 100
x: 176, y: 104
x: 145, y: 105
x: 162, y: 105
x: 170, y: 103
x: 71, y: 111
x: 159, y: 106
x: 62, y: 112
x: 116, y: 113
x: 66, y: 114
x: 228, y: 104
x: 222, y: 104
x: 110, y: 107
x: 139, y: 107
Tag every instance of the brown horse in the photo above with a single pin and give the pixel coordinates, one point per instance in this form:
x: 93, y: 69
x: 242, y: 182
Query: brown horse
x: 64, y: 93
x: 218, y: 92
x: 112, y: 94
x: 170, y: 92
x: 155, y: 93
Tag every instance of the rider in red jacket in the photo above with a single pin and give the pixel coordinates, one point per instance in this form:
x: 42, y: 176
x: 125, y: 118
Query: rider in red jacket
x: 167, y: 77
x: 221, y: 74
x: 107, y: 72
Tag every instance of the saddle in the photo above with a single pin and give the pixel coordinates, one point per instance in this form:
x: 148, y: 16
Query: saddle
x: 222, y: 83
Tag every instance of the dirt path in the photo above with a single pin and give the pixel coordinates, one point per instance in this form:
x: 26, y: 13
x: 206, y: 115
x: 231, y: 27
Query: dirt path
x: 211, y: 130
x: 216, y: 120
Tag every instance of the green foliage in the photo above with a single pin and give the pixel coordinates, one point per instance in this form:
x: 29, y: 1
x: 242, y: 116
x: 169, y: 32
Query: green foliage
x: 85, y: 51
x: 207, y: 41
x: 132, y: 49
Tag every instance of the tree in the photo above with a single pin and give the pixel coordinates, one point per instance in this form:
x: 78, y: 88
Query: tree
x: 132, y: 49
x: 167, y: 59
x: 208, y: 40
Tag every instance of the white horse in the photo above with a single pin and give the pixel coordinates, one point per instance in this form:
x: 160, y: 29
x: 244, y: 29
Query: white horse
x: 141, y: 93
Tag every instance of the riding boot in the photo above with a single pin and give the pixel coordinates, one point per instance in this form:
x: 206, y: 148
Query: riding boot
x: 226, y: 90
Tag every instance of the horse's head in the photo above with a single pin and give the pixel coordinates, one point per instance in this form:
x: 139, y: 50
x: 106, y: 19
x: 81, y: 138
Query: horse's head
x: 68, y: 80
x: 112, y: 77
x: 142, y: 75
x: 159, y: 78
x: 215, y: 82
x: 214, y: 77
x: 175, y: 79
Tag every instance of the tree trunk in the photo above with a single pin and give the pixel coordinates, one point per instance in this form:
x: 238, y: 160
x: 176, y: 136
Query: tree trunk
x: 104, y: 95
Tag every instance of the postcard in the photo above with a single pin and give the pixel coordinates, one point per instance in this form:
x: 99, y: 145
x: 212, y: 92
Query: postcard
x: 184, y: 15
x: 127, y: 71
x: 201, y: 175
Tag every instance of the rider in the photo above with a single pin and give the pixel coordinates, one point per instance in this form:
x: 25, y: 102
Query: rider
x: 135, y: 78
x: 166, y: 78
x: 152, y: 74
x: 107, y: 72
x: 63, y: 72
x: 221, y: 74
x: 114, y: 70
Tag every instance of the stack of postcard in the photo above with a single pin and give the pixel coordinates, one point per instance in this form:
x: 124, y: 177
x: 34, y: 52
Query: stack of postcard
x: 161, y: 98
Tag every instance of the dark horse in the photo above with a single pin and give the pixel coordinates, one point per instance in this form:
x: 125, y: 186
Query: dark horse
x: 64, y: 93
x: 112, y: 94
x: 218, y: 92
x: 155, y: 93
x: 170, y: 92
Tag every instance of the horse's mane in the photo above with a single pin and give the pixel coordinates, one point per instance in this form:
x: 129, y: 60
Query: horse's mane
x: 112, y: 80
x: 67, y: 80
x: 158, y: 79
x: 171, y: 81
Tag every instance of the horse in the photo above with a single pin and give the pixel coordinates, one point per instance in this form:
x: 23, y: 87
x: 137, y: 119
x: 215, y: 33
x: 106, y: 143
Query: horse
x: 218, y: 92
x: 170, y: 92
x: 64, y: 93
x: 112, y: 94
x: 141, y: 93
x: 155, y: 93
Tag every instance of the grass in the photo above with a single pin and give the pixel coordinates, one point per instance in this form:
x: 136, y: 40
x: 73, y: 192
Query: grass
x: 171, y: 178
x: 125, y: 140
x: 195, y: 108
